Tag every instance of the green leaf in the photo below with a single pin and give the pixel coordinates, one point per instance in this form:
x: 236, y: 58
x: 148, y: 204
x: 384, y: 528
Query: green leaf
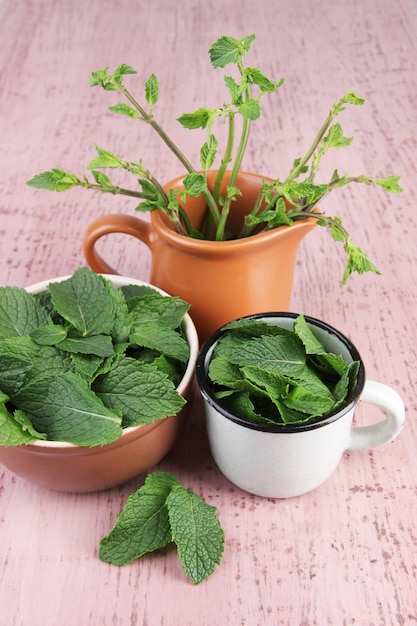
x: 110, y: 82
x: 54, y: 180
x: 97, y: 345
x: 208, y: 152
x: 143, y: 525
x: 13, y: 369
x: 303, y: 331
x: 20, y: 312
x: 357, y: 262
x: 105, y: 159
x: 198, y: 119
x: 280, y: 354
x: 160, y: 338
x: 157, y: 308
x: 65, y: 408
x: 335, y: 138
x: 84, y: 301
x: 390, y: 183
x: 48, y: 335
x: 125, y: 109
x: 196, y: 531
x: 235, y: 90
x: 12, y: 433
x: 102, y: 179
x: 152, y: 90
x: 228, y: 50
x: 351, y: 98
x: 141, y: 392
x: 250, y: 109
x: 255, y: 77
x: 26, y: 425
x: 195, y: 184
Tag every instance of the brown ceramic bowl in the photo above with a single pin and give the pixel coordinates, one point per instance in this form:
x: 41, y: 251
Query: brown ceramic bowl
x: 68, y: 467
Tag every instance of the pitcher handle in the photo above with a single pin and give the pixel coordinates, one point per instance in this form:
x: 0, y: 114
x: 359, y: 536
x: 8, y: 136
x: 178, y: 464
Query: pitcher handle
x: 106, y: 225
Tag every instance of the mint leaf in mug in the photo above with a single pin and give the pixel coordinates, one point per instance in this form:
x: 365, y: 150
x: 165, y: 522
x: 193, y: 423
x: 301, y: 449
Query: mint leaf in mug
x: 268, y: 374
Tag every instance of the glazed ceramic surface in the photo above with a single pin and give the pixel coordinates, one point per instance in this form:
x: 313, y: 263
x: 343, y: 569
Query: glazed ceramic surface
x: 281, y: 461
x: 222, y: 280
x: 67, y: 467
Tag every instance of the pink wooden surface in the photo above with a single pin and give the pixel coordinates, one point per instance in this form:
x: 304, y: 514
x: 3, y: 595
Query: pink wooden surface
x: 346, y: 553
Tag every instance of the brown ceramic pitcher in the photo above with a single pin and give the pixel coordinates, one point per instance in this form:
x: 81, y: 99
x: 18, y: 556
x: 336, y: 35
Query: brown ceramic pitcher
x: 222, y: 280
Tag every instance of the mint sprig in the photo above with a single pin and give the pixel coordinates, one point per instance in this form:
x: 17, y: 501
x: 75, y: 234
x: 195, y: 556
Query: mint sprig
x: 82, y: 361
x: 164, y: 511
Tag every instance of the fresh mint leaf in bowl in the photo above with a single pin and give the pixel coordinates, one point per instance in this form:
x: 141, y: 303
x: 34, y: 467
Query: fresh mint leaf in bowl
x: 87, y: 362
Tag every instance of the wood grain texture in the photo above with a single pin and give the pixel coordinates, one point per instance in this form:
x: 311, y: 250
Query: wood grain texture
x: 344, y: 554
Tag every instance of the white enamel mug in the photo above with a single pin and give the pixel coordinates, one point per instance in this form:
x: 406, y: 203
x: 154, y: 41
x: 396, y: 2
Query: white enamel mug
x: 281, y: 461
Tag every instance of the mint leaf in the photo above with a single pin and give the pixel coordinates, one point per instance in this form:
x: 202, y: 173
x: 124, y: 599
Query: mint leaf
x: 195, y: 184
x: 13, y: 370
x: 157, y: 308
x: 97, y: 345
x: 12, y: 433
x: 48, y: 335
x: 141, y: 392
x: 84, y: 301
x: 196, y: 531
x: 357, y: 261
x: 64, y: 407
x: 280, y: 354
x: 162, y: 339
x: 228, y: 50
x: 152, y: 90
x: 105, y: 159
x: 54, y: 180
x: 124, y: 109
x: 20, y: 312
x: 143, y: 526
x: 208, y: 152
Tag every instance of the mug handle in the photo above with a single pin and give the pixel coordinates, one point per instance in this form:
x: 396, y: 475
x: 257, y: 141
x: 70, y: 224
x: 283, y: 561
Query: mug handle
x: 106, y: 225
x: 382, y: 432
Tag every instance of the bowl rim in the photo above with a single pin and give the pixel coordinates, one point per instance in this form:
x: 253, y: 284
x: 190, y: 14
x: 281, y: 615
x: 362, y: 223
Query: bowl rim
x: 191, y: 336
x: 350, y: 402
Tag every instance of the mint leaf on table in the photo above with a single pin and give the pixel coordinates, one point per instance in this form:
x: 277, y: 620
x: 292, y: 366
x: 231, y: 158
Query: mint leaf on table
x: 164, y: 511
x: 65, y: 408
x: 143, y: 525
x: 84, y: 301
x: 140, y: 391
x: 20, y: 312
x: 196, y: 532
